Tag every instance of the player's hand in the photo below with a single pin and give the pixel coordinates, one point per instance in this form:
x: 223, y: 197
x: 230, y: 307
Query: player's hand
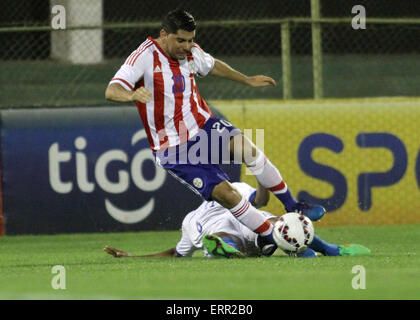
x: 142, y: 95
x: 115, y: 252
x: 260, y: 81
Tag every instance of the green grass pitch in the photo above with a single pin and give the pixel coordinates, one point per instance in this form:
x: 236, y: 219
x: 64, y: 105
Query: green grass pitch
x: 392, y: 271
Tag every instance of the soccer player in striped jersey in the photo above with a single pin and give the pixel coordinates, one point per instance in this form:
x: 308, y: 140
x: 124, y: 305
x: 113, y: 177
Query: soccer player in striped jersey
x: 159, y: 77
x: 213, y: 229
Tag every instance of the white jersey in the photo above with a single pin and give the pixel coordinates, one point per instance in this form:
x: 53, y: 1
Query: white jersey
x: 210, y: 217
x: 176, y: 111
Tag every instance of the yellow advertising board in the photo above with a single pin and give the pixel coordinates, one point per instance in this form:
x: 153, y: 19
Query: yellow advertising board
x: 360, y: 158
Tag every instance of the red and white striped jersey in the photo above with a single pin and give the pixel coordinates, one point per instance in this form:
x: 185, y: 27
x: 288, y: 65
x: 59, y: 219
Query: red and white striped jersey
x: 176, y: 111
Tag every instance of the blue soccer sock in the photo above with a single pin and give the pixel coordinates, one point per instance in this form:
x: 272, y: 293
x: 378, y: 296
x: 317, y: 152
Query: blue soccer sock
x: 287, y: 199
x: 270, y: 238
x: 327, y: 249
x: 308, y: 253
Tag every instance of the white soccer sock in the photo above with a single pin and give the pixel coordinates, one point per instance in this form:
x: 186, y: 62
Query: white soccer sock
x: 269, y: 177
x: 251, y: 217
x: 265, y: 172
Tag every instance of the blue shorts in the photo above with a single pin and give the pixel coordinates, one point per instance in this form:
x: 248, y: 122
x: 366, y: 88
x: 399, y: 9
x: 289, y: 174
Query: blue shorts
x: 196, y: 162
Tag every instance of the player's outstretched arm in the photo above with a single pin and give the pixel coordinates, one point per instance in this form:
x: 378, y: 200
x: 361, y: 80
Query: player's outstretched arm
x: 116, y: 253
x: 117, y: 93
x: 223, y: 70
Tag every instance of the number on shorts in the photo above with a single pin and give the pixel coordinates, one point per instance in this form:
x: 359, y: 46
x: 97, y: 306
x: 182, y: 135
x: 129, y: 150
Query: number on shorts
x: 225, y: 123
x: 218, y: 125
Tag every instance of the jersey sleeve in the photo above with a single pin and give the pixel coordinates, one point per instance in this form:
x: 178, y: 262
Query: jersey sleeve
x: 185, y: 247
x: 204, y: 62
x: 132, y: 70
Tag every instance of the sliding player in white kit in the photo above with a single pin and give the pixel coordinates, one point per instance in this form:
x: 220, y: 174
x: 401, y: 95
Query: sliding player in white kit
x: 212, y: 220
x: 212, y: 223
x: 213, y: 229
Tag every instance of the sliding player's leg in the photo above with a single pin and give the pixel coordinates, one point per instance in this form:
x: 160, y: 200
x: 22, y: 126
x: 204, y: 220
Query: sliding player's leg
x: 330, y: 249
x: 308, y: 253
x: 269, y: 177
x: 226, y: 194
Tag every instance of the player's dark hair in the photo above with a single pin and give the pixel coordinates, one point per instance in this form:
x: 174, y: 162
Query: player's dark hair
x: 178, y: 19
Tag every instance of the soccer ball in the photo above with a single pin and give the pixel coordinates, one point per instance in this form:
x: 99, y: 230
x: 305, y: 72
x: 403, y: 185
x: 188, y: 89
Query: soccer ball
x: 293, y: 232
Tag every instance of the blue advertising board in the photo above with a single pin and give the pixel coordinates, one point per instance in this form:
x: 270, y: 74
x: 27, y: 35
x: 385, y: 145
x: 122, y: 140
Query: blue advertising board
x: 81, y: 169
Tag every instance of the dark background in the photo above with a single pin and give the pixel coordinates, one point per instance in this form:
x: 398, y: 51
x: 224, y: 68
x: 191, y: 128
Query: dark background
x: 36, y: 45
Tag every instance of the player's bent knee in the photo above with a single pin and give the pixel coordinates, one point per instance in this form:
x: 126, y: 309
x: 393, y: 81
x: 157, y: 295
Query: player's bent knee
x: 226, y: 194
